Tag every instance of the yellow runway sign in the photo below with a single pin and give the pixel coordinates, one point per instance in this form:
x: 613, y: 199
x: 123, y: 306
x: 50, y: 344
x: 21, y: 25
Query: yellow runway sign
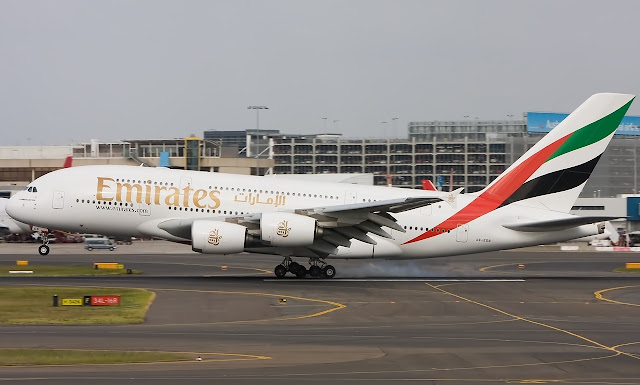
x: 72, y: 302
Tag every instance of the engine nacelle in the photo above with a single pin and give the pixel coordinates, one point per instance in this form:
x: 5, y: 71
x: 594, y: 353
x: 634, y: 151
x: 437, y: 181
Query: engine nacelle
x: 286, y: 229
x: 214, y: 237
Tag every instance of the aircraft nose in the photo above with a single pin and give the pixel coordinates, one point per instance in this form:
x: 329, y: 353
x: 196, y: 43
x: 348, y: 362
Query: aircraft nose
x: 13, y: 207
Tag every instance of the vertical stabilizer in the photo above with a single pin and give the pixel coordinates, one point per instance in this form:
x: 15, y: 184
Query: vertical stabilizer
x: 553, y: 172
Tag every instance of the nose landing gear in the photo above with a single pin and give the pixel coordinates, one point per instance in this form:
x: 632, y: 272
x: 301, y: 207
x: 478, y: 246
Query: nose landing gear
x: 44, y: 248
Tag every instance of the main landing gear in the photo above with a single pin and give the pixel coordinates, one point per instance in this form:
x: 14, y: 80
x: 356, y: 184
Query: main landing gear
x: 44, y: 248
x: 316, y: 269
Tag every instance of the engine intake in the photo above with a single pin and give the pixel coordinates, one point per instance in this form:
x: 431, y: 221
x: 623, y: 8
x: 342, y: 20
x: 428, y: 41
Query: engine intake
x: 287, y: 229
x: 213, y: 237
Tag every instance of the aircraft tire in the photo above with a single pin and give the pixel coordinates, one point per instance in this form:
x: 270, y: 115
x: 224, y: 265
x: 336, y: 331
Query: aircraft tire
x: 315, y: 271
x: 329, y: 271
x: 301, y: 272
x: 43, y: 249
x: 280, y: 271
x: 294, y: 267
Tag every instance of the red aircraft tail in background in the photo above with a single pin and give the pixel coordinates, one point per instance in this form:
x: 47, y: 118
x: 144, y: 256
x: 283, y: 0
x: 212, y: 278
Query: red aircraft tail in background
x: 428, y: 185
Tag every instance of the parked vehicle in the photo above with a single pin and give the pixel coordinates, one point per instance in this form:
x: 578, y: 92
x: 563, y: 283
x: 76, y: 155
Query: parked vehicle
x: 99, y: 243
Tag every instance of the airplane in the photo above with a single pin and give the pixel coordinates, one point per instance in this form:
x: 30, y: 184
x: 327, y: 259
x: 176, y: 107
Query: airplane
x: 528, y: 204
x: 9, y: 225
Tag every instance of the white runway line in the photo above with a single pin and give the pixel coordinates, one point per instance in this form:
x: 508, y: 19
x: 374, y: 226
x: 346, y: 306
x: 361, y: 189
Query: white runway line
x: 393, y: 280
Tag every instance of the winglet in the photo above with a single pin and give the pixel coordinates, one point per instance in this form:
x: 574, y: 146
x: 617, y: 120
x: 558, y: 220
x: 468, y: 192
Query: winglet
x: 452, y: 197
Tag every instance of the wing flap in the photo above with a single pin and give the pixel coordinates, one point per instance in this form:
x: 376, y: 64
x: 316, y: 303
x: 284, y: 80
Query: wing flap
x: 388, y: 205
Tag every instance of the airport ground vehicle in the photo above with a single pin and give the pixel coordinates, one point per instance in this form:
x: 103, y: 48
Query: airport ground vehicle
x: 99, y: 244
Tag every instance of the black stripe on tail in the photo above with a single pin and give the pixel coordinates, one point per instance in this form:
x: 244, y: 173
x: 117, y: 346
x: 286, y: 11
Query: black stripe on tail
x: 554, y: 182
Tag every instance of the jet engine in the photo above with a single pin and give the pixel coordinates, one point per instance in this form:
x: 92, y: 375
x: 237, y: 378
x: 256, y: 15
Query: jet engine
x: 287, y: 229
x: 213, y: 237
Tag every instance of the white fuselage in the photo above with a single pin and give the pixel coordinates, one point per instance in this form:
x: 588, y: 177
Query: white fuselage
x: 9, y: 225
x: 124, y: 200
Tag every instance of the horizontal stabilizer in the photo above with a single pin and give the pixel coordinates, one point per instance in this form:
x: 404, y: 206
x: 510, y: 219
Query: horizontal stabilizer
x: 557, y: 224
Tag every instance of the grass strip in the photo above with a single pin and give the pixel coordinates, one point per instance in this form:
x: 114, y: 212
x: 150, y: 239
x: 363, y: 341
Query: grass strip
x: 23, y: 305
x: 20, y: 357
x: 59, y: 271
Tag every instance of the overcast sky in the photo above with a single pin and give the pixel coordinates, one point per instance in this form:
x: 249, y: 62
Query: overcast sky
x: 71, y: 71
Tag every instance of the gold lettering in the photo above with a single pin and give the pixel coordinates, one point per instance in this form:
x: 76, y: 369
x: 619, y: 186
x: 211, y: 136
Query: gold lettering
x: 215, y: 199
x: 157, y: 189
x: 198, y: 196
x: 186, y: 191
x: 129, y: 188
x: 147, y: 193
x: 100, y: 190
x: 173, y: 199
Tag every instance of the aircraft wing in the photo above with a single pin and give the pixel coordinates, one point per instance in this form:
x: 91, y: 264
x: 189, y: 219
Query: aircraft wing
x: 340, y: 223
x: 557, y: 224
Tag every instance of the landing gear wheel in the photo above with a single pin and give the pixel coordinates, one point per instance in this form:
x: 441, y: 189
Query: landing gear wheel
x: 315, y: 271
x: 294, y: 267
x: 280, y: 271
x: 302, y: 272
x: 43, y: 249
x: 329, y: 271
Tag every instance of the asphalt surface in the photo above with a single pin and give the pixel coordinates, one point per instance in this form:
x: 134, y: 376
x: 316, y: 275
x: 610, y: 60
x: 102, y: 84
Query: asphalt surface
x: 507, y: 317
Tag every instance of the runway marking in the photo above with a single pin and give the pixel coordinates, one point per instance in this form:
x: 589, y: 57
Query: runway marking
x: 235, y: 357
x: 398, y: 280
x: 509, y: 340
x: 484, y: 269
x: 316, y: 374
x: 519, y: 318
x: 207, y: 265
x: 336, y: 306
x: 627, y: 344
x: 599, y: 296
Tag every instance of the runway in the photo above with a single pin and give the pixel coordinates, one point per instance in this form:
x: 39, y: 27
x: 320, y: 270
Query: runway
x: 508, y: 317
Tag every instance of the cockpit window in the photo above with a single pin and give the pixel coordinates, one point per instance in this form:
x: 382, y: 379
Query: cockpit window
x: 30, y: 189
x: 34, y: 189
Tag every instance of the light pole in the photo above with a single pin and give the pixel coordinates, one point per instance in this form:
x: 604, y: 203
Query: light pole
x: 384, y: 129
x: 258, y: 108
x: 335, y: 125
x: 325, y: 124
x: 393, y: 125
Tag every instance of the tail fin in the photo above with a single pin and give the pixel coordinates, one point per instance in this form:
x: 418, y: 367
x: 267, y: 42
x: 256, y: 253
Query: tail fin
x: 611, y: 231
x: 553, y: 172
x: 427, y: 185
x: 67, y: 162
